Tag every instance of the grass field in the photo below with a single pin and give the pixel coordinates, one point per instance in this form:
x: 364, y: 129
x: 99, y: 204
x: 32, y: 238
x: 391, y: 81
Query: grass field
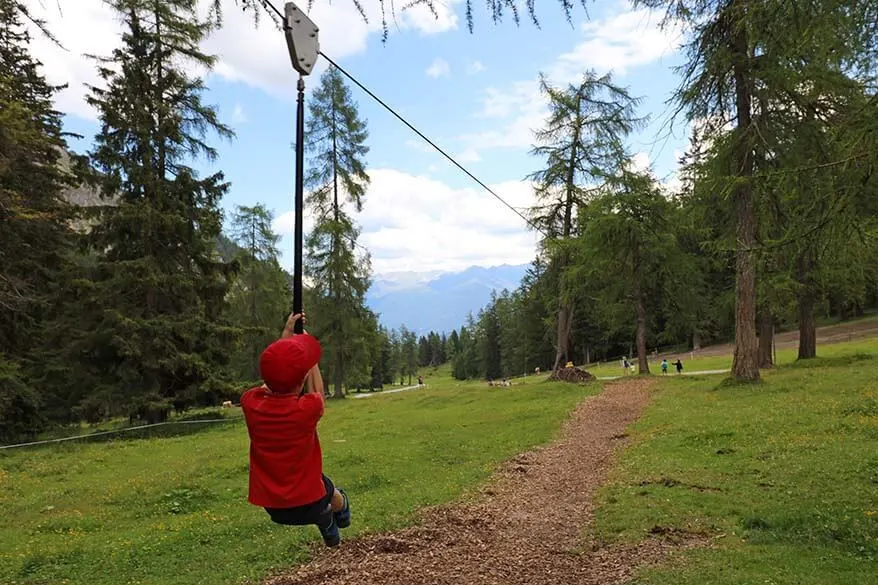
x: 173, y: 510
x: 785, y: 357
x: 782, y: 476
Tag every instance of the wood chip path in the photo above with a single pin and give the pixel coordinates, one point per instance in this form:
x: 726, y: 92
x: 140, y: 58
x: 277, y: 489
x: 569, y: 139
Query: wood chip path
x: 529, y: 527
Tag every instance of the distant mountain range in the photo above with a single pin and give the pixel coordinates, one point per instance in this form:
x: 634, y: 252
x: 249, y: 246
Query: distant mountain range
x: 437, y: 301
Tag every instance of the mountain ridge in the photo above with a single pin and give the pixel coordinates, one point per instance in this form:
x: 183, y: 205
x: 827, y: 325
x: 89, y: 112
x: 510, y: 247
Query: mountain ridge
x: 438, y: 301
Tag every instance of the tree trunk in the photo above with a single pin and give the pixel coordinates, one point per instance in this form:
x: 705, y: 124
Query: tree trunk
x: 766, y: 337
x: 807, y: 327
x: 696, y: 340
x: 806, y: 298
x: 565, y: 319
x: 640, y: 337
x: 338, y: 378
x: 640, y: 313
x: 565, y: 312
x: 745, y: 365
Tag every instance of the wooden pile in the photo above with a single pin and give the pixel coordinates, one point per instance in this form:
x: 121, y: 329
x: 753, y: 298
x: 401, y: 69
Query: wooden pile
x: 573, y: 375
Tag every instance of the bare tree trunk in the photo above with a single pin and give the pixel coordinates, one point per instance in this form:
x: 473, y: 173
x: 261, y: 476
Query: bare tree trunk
x: 640, y: 337
x: 338, y: 379
x: 565, y: 319
x: 640, y: 314
x: 565, y: 311
x: 807, y: 328
x: 806, y: 299
x: 766, y: 337
x: 745, y: 365
x: 696, y: 341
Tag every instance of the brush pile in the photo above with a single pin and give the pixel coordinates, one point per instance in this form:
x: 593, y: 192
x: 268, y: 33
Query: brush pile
x: 573, y: 375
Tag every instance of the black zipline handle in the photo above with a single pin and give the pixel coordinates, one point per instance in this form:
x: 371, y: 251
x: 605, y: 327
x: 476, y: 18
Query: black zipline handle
x: 298, y: 327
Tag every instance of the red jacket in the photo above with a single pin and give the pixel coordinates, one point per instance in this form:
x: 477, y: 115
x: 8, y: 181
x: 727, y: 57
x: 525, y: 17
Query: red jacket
x: 286, y: 464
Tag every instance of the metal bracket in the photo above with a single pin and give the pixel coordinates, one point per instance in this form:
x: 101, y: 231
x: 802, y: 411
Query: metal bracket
x: 301, y: 34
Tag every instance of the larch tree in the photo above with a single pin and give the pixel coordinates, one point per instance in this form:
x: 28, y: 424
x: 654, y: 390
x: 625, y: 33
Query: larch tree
x: 158, y: 288
x: 260, y: 294
x: 627, y: 246
x: 490, y: 349
x: 582, y: 145
x: 337, y: 181
x: 739, y: 60
x: 389, y: 12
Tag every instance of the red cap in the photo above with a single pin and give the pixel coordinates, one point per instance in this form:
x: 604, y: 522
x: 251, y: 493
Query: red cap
x: 285, y: 363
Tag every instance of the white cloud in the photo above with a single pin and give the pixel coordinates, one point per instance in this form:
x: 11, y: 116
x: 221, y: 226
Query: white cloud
x: 629, y: 39
x: 253, y: 55
x: 439, y: 68
x: 419, y: 144
x: 258, y: 56
x: 673, y: 185
x: 474, y: 67
x: 640, y: 161
x: 622, y: 42
x: 90, y: 28
x: 468, y: 155
x: 420, y: 18
x: 418, y: 223
x: 238, y: 115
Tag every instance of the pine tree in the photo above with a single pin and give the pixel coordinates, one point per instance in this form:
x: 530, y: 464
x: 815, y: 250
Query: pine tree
x: 32, y: 211
x: 490, y: 348
x: 424, y: 356
x: 452, y: 345
x: 582, y: 146
x: 157, y: 297
x: 337, y: 178
x: 34, y: 237
x: 259, y: 296
x: 409, y: 353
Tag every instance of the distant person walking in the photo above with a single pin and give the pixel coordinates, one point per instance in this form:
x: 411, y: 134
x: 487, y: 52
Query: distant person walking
x: 679, y: 365
x: 664, y: 366
x: 420, y: 380
x: 626, y: 365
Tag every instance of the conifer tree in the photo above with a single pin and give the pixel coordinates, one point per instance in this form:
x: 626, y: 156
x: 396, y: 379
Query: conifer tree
x: 337, y: 180
x: 260, y: 295
x: 739, y: 62
x: 34, y: 231
x: 158, y: 285
x: 582, y: 146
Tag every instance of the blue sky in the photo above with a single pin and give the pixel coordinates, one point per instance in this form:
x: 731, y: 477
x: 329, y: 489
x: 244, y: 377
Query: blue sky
x: 475, y: 94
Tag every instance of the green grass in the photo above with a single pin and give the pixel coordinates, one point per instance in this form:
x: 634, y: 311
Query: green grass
x: 785, y: 357
x: 781, y: 476
x: 173, y: 510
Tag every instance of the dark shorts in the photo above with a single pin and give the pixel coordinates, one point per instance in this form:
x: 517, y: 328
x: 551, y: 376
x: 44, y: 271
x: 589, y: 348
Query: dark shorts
x: 318, y: 512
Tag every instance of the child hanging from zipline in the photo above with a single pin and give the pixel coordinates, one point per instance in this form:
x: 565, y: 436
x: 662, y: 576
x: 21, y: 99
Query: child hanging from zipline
x: 286, y: 464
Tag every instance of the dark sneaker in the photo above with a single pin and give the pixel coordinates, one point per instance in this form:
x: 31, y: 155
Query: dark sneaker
x: 343, y: 516
x: 331, y: 535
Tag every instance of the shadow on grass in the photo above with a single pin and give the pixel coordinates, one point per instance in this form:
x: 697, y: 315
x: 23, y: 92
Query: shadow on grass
x: 736, y: 383
x: 833, y: 362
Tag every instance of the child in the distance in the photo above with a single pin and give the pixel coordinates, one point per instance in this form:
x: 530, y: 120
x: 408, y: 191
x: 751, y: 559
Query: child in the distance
x: 286, y: 464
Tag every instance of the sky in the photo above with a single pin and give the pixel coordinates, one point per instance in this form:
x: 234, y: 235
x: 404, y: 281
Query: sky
x: 475, y: 94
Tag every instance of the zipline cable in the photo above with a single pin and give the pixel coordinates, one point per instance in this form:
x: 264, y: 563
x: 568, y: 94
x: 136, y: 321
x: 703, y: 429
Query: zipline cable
x: 433, y: 144
x: 438, y: 149
x: 172, y: 422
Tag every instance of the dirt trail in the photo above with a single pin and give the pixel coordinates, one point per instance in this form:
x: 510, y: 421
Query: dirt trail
x: 837, y: 333
x: 528, y: 527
